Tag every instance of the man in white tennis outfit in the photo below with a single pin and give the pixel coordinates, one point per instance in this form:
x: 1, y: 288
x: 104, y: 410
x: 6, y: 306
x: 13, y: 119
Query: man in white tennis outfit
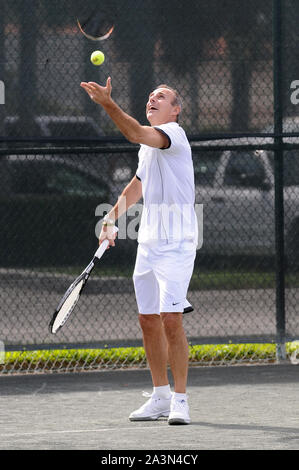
x: 167, y: 240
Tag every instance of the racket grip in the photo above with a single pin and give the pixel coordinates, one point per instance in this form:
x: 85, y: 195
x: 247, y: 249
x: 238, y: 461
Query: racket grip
x: 103, y: 246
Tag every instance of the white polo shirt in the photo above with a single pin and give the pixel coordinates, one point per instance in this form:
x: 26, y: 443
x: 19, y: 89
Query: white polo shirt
x: 167, y: 177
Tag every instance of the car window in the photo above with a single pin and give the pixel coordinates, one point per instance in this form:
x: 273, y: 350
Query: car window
x: 64, y: 180
x: 244, y: 169
x: 290, y: 167
x: 32, y: 177
x: 205, y: 167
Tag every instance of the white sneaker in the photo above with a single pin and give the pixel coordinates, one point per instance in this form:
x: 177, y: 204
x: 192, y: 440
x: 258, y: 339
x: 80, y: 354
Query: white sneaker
x: 153, y: 409
x: 179, y: 412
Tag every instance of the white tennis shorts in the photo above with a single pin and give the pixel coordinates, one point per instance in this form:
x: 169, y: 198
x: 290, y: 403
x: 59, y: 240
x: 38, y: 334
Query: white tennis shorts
x: 161, y: 277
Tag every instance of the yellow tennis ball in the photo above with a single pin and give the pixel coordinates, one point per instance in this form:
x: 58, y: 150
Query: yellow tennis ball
x: 97, y: 57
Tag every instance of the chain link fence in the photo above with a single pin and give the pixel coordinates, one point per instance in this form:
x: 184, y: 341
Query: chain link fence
x: 62, y: 162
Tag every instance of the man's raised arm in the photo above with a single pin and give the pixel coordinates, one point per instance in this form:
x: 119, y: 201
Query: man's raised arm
x: 128, y: 126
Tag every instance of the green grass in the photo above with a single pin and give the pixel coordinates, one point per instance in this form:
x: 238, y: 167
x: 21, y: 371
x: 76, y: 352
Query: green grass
x: 88, y: 359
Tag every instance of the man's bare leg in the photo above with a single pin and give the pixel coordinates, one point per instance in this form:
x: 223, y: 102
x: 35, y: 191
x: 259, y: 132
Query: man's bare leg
x: 155, y: 345
x: 178, y: 350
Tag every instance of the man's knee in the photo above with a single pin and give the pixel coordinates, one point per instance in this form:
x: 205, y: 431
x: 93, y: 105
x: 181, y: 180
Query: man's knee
x: 172, y: 323
x: 150, y: 323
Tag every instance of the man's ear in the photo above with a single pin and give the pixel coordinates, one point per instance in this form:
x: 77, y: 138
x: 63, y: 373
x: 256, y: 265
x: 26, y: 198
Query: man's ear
x: 176, y: 110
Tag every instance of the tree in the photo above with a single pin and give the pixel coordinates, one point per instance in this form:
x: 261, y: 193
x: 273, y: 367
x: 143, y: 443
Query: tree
x: 189, y: 33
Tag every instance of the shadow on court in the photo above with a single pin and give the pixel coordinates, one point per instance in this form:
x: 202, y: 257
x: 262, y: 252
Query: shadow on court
x: 241, y: 407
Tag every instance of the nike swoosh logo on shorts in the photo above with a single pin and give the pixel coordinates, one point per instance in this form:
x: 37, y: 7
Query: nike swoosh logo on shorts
x: 173, y: 303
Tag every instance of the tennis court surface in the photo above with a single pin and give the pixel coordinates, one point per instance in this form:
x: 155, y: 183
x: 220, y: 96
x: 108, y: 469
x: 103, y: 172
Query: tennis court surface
x: 240, y: 407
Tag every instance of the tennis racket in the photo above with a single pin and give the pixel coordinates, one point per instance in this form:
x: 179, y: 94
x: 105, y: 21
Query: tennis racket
x: 97, y: 23
x: 72, y: 295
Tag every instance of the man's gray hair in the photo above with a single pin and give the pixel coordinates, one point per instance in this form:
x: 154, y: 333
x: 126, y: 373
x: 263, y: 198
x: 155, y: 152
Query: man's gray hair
x: 177, y: 101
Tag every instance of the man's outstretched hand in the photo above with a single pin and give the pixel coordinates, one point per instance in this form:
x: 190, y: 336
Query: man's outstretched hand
x: 99, y: 94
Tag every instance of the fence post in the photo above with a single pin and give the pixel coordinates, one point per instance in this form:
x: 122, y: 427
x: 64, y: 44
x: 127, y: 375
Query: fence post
x: 278, y: 177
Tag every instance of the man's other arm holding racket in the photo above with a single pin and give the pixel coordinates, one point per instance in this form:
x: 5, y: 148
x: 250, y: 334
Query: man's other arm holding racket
x: 130, y: 196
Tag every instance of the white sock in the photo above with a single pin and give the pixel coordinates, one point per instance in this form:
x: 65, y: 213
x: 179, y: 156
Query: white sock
x: 180, y: 396
x: 163, y: 391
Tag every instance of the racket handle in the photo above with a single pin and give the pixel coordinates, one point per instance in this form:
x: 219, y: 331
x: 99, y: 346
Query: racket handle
x: 103, y: 246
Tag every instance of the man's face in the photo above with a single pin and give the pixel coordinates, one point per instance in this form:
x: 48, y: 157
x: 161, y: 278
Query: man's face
x: 159, y: 108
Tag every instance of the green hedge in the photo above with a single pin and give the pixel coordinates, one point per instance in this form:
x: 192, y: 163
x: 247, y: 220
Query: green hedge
x: 129, y: 357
